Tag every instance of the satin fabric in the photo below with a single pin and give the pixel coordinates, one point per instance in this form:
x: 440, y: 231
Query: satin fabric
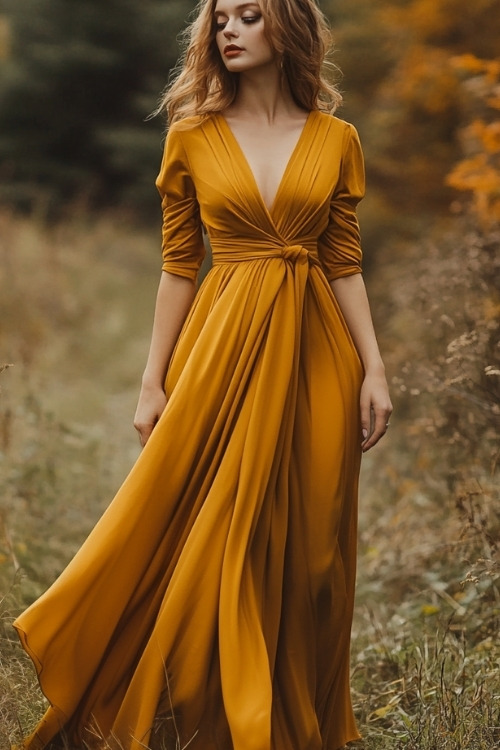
x: 217, y: 589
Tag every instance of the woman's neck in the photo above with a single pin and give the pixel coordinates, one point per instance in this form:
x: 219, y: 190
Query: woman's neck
x: 264, y: 96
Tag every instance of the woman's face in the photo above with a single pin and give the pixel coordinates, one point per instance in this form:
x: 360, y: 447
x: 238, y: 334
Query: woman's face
x: 240, y: 36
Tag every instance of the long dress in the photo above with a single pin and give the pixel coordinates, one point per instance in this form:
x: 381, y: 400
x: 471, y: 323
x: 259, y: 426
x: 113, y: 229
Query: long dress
x: 217, y: 589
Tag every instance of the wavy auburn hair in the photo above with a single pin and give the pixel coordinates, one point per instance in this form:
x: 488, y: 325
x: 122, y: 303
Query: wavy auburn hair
x: 298, y: 32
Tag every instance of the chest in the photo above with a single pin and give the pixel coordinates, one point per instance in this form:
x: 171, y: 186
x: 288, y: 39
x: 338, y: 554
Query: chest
x: 267, y: 152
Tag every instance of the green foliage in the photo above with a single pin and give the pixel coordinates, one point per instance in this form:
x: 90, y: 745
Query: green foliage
x: 79, y: 81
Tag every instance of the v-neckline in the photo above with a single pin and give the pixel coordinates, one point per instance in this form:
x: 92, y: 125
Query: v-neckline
x: 269, y: 209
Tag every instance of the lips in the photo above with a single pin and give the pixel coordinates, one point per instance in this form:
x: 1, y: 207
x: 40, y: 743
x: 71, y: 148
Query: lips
x: 232, y: 49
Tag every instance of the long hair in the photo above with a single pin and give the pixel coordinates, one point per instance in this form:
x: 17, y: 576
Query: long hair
x: 298, y: 32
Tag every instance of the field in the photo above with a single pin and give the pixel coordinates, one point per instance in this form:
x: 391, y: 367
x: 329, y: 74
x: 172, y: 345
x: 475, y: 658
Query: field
x: 75, y: 313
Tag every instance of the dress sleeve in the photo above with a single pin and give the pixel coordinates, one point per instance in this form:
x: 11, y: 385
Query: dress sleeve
x: 339, y: 246
x: 182, y: 240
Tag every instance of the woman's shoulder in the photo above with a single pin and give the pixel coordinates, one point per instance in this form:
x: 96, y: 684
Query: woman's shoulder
x: 192, y: 123
x: 339, y: 132
x: 335, y: 123
x: 184, y: 124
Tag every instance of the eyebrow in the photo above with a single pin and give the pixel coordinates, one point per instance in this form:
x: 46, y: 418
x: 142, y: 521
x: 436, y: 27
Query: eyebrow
x: 242, y: 6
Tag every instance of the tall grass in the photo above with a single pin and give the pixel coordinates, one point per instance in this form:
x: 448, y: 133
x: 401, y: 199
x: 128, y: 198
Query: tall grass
x: 426, y: 653
x: 76, y: 304
x: 75, y: 320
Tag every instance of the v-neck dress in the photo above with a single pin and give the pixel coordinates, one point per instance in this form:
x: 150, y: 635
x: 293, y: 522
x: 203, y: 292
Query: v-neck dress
x: 215, y: 595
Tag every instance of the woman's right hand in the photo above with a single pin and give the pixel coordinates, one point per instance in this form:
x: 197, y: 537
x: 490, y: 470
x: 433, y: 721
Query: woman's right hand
x: 175, y: 297
x: 152, y: 402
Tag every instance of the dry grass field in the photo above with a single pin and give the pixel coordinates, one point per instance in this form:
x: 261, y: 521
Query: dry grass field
x: 75, y: 313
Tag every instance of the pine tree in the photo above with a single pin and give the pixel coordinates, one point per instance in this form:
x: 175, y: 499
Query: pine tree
x: 76, y: 88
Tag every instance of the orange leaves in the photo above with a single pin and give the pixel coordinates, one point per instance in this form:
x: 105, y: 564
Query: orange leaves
x: 486, y: 134
x: 429, y: 18
x: 475, y: 66
x: 426, y: 81
x: 479, y: 171
x: 475, y: 174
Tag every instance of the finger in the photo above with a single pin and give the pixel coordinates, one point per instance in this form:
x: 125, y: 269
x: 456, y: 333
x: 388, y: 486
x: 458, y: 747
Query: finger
x: 144, y: 436
x: 380, y: 426
x: 366, y: 418
x: 144, y: 431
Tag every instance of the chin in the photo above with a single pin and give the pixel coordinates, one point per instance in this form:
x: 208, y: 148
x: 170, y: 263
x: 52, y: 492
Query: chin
x: 234, y: 67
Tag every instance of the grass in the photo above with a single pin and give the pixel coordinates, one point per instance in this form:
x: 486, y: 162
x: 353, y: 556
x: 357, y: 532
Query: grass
x: 75, y: 322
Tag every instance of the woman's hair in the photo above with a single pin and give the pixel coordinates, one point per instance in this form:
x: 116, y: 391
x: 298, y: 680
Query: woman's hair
x: 298, y: 32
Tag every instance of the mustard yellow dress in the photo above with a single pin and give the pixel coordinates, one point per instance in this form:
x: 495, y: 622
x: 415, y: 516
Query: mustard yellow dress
x: 217, y: 589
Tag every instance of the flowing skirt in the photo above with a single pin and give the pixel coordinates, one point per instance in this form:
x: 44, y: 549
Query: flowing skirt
x: 216, y: 592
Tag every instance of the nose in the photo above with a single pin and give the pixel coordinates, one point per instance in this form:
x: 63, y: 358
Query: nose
x: 230, y: 30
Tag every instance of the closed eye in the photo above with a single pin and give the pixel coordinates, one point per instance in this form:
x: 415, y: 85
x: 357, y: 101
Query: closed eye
x: 220, y: 26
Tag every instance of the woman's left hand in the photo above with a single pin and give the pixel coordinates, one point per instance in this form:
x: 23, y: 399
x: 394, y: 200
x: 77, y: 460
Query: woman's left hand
x: 376, y: 409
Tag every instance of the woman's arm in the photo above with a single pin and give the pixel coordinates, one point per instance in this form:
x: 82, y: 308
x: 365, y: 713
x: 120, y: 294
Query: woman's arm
x: 175, y: 297
x: 376, y: 407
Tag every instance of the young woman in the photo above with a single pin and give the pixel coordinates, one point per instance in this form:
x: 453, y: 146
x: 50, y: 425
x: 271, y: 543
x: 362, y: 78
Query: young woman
x: 214, y: 598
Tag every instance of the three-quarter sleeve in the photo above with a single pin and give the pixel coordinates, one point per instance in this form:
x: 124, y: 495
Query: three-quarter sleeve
x: 339, y: 246
x: 182, y: 239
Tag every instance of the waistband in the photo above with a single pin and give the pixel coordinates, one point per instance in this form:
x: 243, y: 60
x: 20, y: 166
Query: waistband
x: 298, y: 253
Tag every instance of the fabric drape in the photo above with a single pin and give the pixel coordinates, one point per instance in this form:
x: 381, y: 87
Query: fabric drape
x: 216, y: 592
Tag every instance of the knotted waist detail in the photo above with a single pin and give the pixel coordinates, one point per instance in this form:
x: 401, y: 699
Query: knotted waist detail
x: 300, y: 252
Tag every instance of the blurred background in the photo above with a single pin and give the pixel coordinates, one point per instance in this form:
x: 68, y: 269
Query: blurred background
x: 79, y: 266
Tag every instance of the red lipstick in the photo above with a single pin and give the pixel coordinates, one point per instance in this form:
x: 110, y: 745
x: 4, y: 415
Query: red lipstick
x: 232, y: 50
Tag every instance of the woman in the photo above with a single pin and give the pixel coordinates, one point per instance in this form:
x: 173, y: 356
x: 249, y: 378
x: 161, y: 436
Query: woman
x: 215, y: 595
